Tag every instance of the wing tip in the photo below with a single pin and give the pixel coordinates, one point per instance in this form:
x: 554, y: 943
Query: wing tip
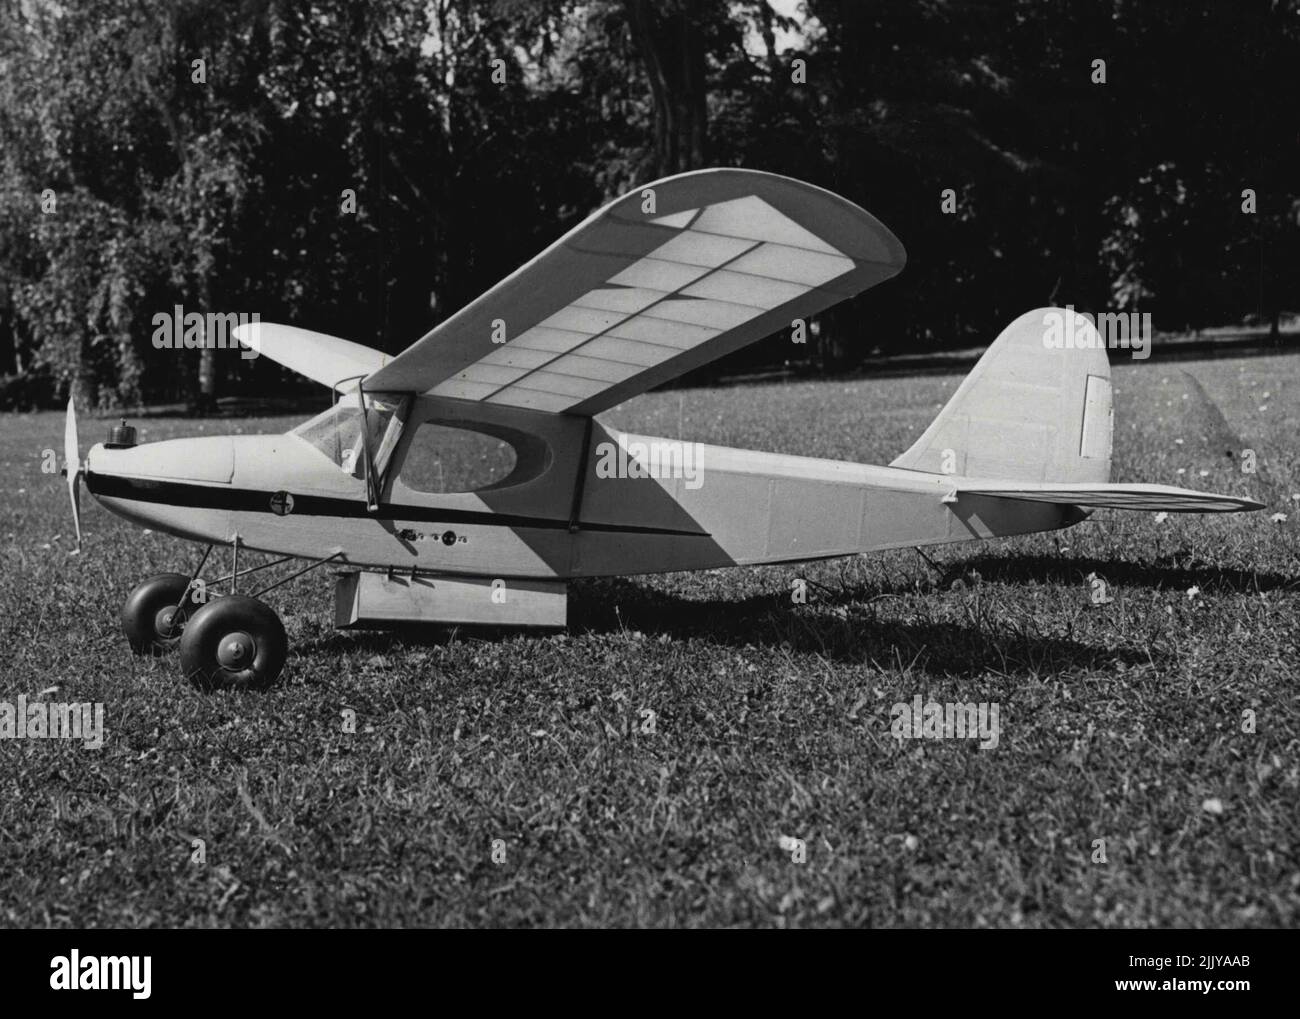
x: 248, y: 334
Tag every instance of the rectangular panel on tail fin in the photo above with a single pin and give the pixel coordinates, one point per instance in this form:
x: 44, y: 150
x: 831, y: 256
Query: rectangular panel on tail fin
x: 1098, y: 418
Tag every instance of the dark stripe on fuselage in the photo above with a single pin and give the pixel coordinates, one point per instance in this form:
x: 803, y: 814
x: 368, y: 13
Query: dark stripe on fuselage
x: 246, y: 500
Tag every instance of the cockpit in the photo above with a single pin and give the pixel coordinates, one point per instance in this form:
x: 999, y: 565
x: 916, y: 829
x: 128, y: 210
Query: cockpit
x: 351, y: 432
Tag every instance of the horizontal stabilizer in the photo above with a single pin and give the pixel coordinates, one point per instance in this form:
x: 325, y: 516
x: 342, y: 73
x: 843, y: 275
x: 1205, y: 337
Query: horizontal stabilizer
x: 1109, y: 496
x: 321, y: 358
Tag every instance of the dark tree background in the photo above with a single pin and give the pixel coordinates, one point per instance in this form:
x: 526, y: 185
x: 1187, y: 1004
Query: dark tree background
x: 473, y: 133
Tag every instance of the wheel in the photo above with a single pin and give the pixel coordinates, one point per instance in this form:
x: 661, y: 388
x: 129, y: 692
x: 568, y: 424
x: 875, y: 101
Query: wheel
x: 150, y: 619
x: 233, y: 642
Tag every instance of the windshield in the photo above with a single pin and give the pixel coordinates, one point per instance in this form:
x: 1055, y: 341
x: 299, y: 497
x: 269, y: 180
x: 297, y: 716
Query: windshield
x: 337, y: 432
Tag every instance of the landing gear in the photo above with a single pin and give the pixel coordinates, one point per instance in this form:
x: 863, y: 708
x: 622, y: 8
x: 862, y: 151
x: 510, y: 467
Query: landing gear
x: 226, y: 642
x: 156, y: 612
x: 233, y: 642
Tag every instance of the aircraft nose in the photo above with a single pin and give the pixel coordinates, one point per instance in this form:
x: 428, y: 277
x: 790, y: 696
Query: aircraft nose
x: 180, y: 486
x: 209, y: 459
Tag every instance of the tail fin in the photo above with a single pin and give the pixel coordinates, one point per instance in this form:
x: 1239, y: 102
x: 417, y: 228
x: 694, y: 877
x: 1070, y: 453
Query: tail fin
x: 1036, y: 407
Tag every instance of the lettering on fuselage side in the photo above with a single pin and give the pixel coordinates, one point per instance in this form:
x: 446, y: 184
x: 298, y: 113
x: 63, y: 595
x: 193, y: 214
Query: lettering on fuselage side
x: 448, y: 538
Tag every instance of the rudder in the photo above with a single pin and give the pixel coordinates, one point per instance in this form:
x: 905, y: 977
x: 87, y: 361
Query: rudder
x: 1036, y: 407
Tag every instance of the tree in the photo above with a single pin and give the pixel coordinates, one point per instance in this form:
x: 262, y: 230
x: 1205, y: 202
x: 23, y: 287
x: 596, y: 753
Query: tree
x: 671, y: 38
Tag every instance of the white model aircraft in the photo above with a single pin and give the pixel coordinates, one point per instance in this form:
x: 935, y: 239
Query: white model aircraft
x: 662, y: 280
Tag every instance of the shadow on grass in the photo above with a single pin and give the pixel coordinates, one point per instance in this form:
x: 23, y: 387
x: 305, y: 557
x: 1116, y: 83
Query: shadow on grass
x: 1159, y: 575
x: 845, y: 628
x: 851, y: 632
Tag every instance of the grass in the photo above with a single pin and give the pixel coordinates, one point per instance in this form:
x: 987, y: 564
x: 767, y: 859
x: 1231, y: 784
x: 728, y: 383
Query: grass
x: 1120, y: 722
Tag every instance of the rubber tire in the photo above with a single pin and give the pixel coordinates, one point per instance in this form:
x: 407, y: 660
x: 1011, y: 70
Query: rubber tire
x: 140, y: 612
x: 216, y: 621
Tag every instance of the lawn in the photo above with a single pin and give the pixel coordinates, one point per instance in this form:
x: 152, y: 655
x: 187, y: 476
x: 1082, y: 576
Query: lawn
x: 650, y: 766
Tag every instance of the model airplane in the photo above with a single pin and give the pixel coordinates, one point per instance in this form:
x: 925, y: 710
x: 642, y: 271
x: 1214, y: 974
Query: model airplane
x: 663, y: 280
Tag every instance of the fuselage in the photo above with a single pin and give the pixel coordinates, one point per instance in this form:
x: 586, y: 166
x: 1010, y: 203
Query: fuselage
x: 583, y: 500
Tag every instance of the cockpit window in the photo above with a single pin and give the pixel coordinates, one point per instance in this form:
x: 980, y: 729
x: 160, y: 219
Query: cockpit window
x: 443, y: 458
x: 337, y: 432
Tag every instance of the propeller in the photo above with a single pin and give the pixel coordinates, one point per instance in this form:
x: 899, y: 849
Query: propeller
x: 72, y: 459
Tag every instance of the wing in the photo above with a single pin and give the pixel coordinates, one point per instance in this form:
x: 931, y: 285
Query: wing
x: 632, y: 298
x: 1108, y: 496
x: 324, y: 359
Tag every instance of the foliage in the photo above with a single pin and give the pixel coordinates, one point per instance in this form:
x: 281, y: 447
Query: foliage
x: 473, y: 133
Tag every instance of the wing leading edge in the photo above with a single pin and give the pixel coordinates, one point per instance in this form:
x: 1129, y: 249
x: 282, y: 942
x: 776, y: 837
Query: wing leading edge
x: 633, y: 297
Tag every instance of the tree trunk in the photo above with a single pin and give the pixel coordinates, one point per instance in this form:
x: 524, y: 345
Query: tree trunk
x: 205, y: 400
x: 83, y: 389
x: 207, y: 397
x: 669, y: 38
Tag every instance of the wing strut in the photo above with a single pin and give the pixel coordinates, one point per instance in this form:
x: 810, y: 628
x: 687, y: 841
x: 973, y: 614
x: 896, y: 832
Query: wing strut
x: 374, y: 465
x: 580, y: 482
x: 367, y: 464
